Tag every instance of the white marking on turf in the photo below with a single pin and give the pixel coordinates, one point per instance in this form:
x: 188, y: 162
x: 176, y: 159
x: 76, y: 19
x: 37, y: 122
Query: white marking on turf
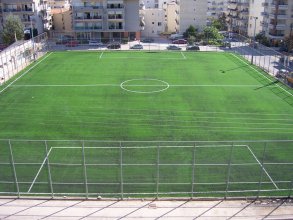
x: 184, y: 57
x: 261, y: 74
x: 136, y: 85
x: 262, y: 167
x: 6, y: 87
x: 39, y: 171
x: 101, y: 55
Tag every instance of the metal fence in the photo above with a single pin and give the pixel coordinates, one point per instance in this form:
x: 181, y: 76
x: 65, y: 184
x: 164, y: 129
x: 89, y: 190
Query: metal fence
x: 21, y: 54
x: 146, y: 169
x: 277, y: 64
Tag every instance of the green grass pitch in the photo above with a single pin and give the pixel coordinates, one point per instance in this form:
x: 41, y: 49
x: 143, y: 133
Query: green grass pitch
x: 145, y: 96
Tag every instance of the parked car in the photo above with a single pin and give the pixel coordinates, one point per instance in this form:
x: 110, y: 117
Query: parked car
x: 72, y: 43
x: 137, y: 47
x: 193, y: 47
x: 148, y: 40
x: 173, y: 47
x: 179, y: 41
x: 175, y: 36
x: 114, y: 46
x: 95, y: 43
x: 64, y: 39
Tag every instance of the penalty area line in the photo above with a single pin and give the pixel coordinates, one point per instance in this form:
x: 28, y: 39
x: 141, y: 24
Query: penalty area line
x: 39, y: 171
x: 266, y: 172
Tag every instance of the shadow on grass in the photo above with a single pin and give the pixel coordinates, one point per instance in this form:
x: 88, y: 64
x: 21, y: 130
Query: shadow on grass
x: 280, y: 90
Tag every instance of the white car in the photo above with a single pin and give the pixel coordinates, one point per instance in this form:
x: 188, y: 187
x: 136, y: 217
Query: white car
x: 95, y: 43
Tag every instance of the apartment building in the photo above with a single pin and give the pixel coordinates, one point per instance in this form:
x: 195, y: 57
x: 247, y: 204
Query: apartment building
x: 35, y: 13
x: 238, y: 14
x: 192, y: 13
x: 256, y: 18
x: 96, y: 19
x: 278, y: 19
x: 59, y: 4
x: 216, y: 8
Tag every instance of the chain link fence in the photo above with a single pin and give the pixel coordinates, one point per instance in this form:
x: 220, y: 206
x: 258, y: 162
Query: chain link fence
x: 146, y: 169
x: 21, y: 54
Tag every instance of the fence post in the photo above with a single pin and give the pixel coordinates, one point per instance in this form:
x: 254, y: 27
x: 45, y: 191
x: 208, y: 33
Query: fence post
x: 261, y: 169
x: 13, y: 168
x: 229, y: 170
x: 291, y: 190
x: 193, y: 171
x: 84, y: 171
x: 49, y: 170
x: 121, y: 171
x: 269, y: 63
x: 158, y: 172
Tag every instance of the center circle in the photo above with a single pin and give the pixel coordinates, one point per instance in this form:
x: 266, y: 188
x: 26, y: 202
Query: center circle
x: 144, y: 85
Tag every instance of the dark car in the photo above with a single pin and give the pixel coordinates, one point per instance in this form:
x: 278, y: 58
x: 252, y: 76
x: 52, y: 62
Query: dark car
x: 173, y: 47
x: 179, y: 41
x: 137, y: 47
x: 64, y: 39
x: 72, y: 43
x: 148, y: 40
x: 194, y: 47
x: 114, y: 46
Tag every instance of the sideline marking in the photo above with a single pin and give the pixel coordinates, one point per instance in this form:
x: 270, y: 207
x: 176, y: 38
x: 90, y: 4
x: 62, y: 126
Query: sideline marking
x: 101, y: 55
x: 25, y: 73
x: 39, y: 171
x: 260, y: 73
x: 262, y: 167
x: 184, y: 57
x: 137, y: 85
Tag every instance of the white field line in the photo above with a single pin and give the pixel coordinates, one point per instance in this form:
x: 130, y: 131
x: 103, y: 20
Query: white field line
x: 157, y: 58
x: 140, y: 147
x: 118, y: 85
x: 6, y: 87
x: 184, y: 57
x: 101, y: 55
x: 262, y: 167
x: 39, y: 170
x: 261, y: 74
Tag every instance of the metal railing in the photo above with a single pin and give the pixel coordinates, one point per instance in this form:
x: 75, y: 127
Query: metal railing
x: 120, y: 169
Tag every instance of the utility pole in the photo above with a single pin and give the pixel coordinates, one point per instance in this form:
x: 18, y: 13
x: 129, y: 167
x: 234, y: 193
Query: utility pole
x: 255, y: 18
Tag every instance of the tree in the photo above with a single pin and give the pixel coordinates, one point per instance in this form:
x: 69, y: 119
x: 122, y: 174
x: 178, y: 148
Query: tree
x: 220, y: 23
x: 12, y: 28
x: 190, y: 31
x: 261, y: 38
x: 212, y: 35
x: 191, y: 34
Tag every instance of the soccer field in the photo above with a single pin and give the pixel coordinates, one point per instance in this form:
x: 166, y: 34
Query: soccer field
x: 230, y: 109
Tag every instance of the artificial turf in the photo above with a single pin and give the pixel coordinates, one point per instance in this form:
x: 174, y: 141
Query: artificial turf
x: 145, y: 96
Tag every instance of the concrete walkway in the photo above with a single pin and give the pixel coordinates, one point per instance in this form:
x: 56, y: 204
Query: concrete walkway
x: 144, y: 209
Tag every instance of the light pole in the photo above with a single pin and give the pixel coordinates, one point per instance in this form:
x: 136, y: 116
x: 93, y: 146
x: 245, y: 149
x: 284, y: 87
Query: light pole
x: 255, y: 18
x: 32, y: 35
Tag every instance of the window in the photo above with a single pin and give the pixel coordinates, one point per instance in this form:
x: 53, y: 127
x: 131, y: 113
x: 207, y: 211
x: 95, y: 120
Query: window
x: 159, y: 23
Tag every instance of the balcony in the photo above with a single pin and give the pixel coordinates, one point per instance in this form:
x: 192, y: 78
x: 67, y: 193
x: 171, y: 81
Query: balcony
x: 17, y: 10
x: 278, y: 16
x: 97, y: 17
x: 280, y: 27
x: 87, y: 8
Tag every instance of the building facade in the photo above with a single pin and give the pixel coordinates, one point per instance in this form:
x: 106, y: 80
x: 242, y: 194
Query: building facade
x: 256, y: 18
x: 278, y: 19
x: 216, y: 8
x: 33, y: 13
x: 106, y: 19
x: 192, y: 13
